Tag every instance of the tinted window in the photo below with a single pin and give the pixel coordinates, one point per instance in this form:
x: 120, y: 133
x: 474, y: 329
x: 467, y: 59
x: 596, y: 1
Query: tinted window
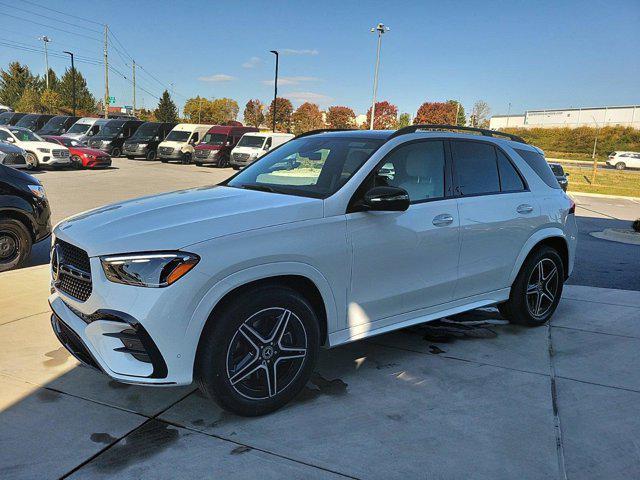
x: 557, y: 169
x: 417, y: 167
x: 476, y: 168
x: 510, y: 180
x: 539, y: 165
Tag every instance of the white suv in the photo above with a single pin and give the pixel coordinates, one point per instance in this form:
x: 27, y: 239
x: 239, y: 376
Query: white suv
x: 39, y: 152
x: 622, y: 160
x: 332, y: 237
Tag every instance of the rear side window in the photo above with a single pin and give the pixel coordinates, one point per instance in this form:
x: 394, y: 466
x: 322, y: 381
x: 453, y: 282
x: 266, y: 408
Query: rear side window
x: 510, y: 180
x: 539, y: 165
x: 476, y: 168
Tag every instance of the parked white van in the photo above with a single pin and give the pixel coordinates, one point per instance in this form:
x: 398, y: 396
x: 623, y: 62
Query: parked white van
x: 85, y: 127
x: 255, y: 144
x: 178, y: 145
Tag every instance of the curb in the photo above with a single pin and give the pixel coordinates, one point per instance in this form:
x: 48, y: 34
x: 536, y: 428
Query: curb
x: 621, y: 236
x: 602, y: 195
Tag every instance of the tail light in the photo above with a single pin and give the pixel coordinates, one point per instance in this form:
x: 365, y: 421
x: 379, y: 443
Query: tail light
x: 572, y: 208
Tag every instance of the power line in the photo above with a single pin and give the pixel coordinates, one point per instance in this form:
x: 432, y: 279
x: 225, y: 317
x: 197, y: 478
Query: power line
x: 39, y: 51
x: 54, y: 28
x: 49, y: 18
x: 63, y: 13
x: 118, y: 72
x: 164, y: 85
x: 81, y: 57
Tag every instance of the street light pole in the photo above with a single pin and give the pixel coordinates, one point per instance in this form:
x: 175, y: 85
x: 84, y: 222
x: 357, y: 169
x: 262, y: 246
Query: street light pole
x: 508, y: 114
x: 381, y: 29
x: 46, y: 40
x: 275, y: 90
x: 73, y: 82
x: 593, y: 155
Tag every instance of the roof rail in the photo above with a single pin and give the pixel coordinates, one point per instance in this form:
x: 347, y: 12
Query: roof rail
x: 323, y: 130
x: 483, y: 131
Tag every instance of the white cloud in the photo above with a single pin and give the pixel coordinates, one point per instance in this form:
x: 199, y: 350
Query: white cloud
x: 252, y: 62
x: 291, y: 80
x: 301, y: 97
x: 293, y: 51
x: 218, y: 77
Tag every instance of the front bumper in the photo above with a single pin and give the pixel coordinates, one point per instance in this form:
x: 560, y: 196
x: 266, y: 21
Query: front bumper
x: 212, y: 157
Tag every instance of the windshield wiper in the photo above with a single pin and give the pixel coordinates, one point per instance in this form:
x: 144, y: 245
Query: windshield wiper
x: 259, y: 187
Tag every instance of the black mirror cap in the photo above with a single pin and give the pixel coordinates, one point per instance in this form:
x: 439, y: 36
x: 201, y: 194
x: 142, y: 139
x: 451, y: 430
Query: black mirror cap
x: 387, y: 199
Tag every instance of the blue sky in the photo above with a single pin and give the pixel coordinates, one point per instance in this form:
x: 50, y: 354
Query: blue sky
x: 532, y: 54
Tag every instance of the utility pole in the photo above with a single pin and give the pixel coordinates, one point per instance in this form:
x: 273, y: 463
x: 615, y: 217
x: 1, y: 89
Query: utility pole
x: 593, y: 155
x: 508, y: 114
x: 275, y: 91
x: 106, y: 73
x: 46, y: 40
x: 73, y: 82
x: 134, y: 88
x: 381, y: 29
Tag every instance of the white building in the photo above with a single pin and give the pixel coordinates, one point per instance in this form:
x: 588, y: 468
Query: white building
x: 628, y: 116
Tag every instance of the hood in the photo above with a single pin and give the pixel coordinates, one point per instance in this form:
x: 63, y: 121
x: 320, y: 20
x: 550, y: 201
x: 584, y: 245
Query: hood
x: 88, y: 151
x: 171, y: 143
x: 137, y: 141
x: 176, y: 220
x: 19, y: 175
x: 208, y: 147
x: 10, y: 148
x: 76, y: 136
x: 48, y: 145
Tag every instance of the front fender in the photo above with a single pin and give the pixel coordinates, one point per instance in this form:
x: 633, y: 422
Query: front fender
x: 533, y: 240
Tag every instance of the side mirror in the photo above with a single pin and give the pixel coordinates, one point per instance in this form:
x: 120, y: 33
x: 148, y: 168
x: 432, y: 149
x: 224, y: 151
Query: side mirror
x: 566, y: 174
x: 387, y: 199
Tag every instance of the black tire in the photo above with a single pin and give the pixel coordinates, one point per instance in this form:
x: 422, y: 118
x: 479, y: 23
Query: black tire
x: 15, y: 244
x: 223, y: 162
x: 533, y: 299
x: 235, y: 167
x: 620, y: 166
x: 116, y: 152
x: 164, y: 160
x: 131, y: 157
x: 198, y: 164
x: 225, y: 352
x: 151, y: 155
x: 76, y: 162
x: 186, y: 158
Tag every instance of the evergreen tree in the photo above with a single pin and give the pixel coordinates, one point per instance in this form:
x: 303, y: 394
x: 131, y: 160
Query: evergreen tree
x: 85, y: 102
x: 30, y: 101
x: 14, y: 82
x: 166, y: 110
x: 462, y: 117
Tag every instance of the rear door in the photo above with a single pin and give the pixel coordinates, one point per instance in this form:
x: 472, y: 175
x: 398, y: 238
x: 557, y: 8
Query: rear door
x: 498, y: 214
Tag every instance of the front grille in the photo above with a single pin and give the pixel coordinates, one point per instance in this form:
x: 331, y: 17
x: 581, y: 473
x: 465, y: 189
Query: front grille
x: 60, y: 153
x: 165, y: 150
x: 14, y: 159
x: 73, y: 269
x: 202, y: 153
x: 95, y: 143
x: 132, y: 147
x: 240, y: 157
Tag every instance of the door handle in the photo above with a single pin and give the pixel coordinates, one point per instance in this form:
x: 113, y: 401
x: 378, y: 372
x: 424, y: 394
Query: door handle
x: 524, y: 208
x: 442, y: 220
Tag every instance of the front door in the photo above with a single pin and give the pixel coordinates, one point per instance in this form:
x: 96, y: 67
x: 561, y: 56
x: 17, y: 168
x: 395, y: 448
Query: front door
x: 405, y: 261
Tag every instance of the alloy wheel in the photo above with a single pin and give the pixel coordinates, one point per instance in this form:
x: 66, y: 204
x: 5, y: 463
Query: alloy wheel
x: 266, y: 353
x: 542, y: 288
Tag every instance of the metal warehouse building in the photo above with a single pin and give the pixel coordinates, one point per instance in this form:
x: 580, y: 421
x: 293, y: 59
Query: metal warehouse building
x: 628, y: 116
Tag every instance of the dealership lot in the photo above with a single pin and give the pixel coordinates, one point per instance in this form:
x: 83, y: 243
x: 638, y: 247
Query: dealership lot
x: 399, y: 406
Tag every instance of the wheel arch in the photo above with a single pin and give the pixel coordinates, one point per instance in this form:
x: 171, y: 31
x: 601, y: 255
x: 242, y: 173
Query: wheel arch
x: 23, y: 217
x: 554, y: 238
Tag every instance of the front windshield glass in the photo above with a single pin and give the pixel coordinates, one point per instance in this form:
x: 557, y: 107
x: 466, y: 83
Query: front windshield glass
x: 55, y: 123
x: 146, y: 131
x: 251, y: 141
x: 111, y: 129
x: 25, y: 135
x: 28, y: 121
x: 71, y: 142
x: 79, y: 128
x: 5, y: 117
x: 214, y: 139
x: 177, y: 136
x: 316, y: 166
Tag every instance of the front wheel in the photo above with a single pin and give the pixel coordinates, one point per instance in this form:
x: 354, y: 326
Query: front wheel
x: 620, y: 166
x: 76, y: 162
x: 32, y: 161
x: 151, y: 155
x: 15, y: 244
x: 259, y: 351
x: 115, y: 153
x: 536, y: 291
x: 186, y: 158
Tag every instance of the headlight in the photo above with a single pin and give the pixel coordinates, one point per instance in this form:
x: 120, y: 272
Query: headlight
x: 44, y: 150
x: 38, y: 191
x: 148, y: 269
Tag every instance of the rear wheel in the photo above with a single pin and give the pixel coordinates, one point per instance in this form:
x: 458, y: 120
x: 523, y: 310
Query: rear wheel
x: 536, y: 291
x: 15, y: 244
x: 259, y: 351
x: 620, y: 166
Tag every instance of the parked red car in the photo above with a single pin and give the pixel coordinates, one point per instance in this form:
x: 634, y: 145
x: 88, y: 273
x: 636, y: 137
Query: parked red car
x: 81, y: 155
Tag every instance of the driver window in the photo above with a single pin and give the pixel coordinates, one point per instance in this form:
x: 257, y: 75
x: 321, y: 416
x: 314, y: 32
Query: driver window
x: 267, y: 144
x: 194, y: 138
x: 417, y: 167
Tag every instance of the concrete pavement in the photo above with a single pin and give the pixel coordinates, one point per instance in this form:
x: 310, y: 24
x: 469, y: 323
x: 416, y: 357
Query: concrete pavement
x: 396, y: 406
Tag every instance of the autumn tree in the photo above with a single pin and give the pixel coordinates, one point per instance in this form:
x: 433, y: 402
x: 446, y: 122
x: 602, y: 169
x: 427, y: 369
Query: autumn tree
x: 253, y: 113
x: 480, y: 114
x: 307, y: 117
x: 404, y: 120
x: 218, y: 111
x: 30, y: 101
x: 340, y: 117
x: 14, y: 81
x: 385, y: 116
x: 51, y: 102
x: 441, y: 113
x: 461, y: 120
x: 166, y: 110
x: 283, y: 114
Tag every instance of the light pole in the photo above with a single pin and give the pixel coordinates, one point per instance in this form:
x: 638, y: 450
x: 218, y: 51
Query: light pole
x: 508, y: 114
x: 381, y: 29
x: 593, y: 155
x: 73, y: 82
x: 275, y: 90
x: 46, y: 40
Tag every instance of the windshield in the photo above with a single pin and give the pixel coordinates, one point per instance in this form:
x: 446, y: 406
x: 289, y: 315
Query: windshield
x: 177, y: 136
x: 28, y: 121
x: 251, y: 141
x: 146, y: 131
x: 79, y: 128
x: 25, y: 135
x: 111, y: 129
x: 55, y: 123
x: 557, y: 169
x: 71, y: 142
x: 214, y: 139
x: 5, y: 117
x: 311, y: 166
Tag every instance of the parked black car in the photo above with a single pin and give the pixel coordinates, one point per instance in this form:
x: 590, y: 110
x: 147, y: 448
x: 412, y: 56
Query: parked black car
x: 560, y: 174
x: 11, y: 118
x: 113, y: 134
x: 12, y: 156
x: 57, y: 125
x: 144, y: 143
x: 34, y: 121
x: 24, y: 216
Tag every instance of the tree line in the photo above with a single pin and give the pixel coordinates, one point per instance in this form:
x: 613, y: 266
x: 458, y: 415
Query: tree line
x: 25, y: 92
